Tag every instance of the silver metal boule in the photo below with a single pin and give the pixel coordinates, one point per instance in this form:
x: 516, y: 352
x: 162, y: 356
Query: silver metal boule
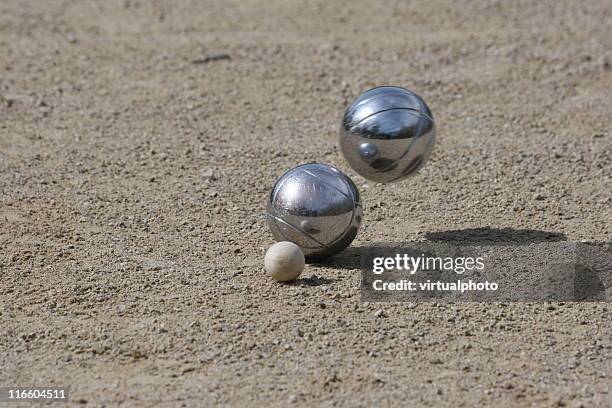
x: 387, y: 134
x: 317, y: 207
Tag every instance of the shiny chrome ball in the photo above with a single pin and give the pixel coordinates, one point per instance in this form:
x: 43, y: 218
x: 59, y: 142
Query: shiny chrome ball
x: 387, y: 134
x: 317, y: 207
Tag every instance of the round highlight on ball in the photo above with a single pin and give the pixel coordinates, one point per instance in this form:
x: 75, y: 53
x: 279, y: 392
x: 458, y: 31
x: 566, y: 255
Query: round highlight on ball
x: 284, y: 261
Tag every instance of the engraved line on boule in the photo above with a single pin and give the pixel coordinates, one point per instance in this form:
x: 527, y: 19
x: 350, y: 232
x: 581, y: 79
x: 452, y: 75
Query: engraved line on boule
x: 397, y: 87
x: 378, y: 95
x: 298, y: 229
x: 326, y: 183
x: 352, y: 197
x: 385, y: 110
x: 412, y: 142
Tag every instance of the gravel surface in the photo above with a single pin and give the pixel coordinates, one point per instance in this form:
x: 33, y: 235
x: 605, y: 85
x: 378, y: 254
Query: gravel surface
x: 138, y: 142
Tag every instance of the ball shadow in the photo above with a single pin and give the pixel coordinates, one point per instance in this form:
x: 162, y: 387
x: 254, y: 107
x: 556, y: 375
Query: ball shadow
x: 351, y: 257
x: 495, y: 236
x: 311, y: 281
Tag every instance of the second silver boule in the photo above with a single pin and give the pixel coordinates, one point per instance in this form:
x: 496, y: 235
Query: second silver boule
x: 317, y: 207
x: 387, y: 134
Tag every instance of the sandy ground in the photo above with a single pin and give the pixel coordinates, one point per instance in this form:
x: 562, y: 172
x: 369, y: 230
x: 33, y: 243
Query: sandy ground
x: 138, y: 142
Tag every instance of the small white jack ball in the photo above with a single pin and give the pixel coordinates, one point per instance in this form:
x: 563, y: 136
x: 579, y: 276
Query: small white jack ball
x: 284, y: 261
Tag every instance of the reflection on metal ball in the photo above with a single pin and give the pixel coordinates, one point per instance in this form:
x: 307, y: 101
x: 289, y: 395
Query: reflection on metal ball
x: 317, y: 207
x: 387, y: 134
x: 368, y: 151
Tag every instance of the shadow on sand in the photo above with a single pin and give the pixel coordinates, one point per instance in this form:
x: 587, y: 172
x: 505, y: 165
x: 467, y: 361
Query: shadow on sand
x: 311, y: 281
x: 350, y: 258
x: 494, y: 236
